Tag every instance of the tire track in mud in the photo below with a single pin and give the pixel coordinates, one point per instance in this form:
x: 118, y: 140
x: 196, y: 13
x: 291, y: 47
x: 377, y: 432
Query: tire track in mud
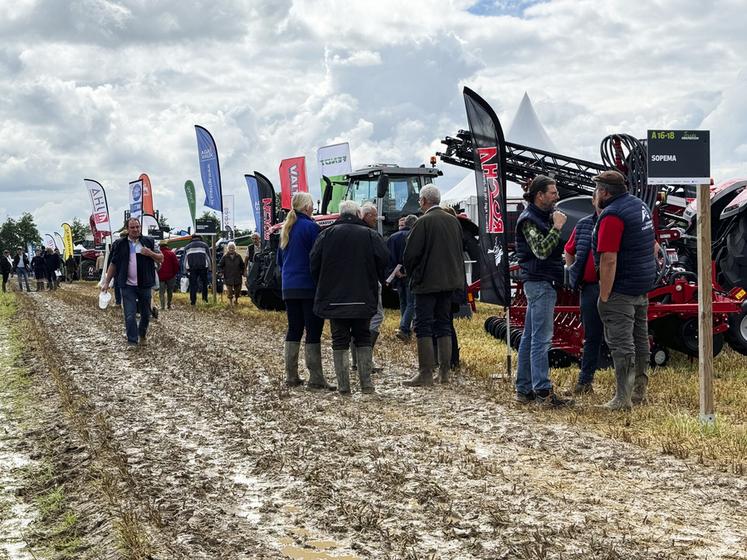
x: 231, y: 464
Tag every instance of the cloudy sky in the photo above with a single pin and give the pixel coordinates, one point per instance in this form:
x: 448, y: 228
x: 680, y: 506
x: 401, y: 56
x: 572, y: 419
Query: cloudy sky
x: 109, y: 89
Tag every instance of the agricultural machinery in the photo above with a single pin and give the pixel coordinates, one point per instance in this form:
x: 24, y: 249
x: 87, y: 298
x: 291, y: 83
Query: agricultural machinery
x: 395, y: 191
x: 673, y: 307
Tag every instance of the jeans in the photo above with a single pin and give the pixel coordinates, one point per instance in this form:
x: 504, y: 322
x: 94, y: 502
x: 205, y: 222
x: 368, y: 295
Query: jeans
x: 432, y: 314
x: 344, y: 329
x: 195, y: 278
x: 406, y: 307
x: 22, y: 273
x: 593, y: 332
x: 534, y: 364
x: 626, y: 327
x: 136, y: 300
x: 168, y: 287
x: 301, y: 317
x: 378, y: 318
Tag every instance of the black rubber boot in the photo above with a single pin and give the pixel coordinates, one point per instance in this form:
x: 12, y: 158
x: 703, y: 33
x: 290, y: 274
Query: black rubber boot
x: 424, y: 376
x: 342, y: 370
x: 313, y: 358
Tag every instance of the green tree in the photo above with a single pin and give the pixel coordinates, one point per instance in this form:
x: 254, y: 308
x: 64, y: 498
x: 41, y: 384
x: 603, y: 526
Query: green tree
x: 80, y: 230
x: 163, y: 222
x: 18, y: 233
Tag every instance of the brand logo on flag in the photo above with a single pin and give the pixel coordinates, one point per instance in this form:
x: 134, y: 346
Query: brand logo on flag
x: 494, y: 212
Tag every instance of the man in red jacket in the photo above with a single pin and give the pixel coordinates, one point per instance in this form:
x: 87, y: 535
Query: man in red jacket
x: 167, y: 274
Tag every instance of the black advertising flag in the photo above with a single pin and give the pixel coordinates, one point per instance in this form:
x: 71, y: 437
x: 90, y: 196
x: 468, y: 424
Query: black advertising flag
x: 267, y: 198
x: 490, y: 176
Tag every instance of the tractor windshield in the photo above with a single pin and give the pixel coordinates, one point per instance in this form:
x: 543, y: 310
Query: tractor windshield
x: 401, y: 197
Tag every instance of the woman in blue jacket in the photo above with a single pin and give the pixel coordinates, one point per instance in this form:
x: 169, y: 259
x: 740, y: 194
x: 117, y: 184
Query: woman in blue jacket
x: 297, y: 237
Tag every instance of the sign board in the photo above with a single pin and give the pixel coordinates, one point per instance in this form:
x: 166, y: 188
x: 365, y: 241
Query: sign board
x: 206, y: 227
x: 679, y: 157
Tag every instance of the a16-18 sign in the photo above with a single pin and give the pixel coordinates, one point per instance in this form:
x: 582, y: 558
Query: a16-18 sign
x: 679, y: 157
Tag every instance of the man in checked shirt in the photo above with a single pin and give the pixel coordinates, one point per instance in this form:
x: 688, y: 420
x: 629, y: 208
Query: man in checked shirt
x: 540, y: 256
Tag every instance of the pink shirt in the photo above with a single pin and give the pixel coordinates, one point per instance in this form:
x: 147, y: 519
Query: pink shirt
x: 135, y: 248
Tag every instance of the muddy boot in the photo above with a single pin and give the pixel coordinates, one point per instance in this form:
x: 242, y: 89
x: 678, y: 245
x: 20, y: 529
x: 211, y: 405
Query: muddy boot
x: 39, y: 286
x: 374, y: 367
x: 342, y: 370
x: 444, y: 358
x: 425, y: 364
x: 624, y: 377
x: 313, y: 357
x: 641, y: 382
x: 365, y: 364
x: 292, y: 349
x: 353, y: 356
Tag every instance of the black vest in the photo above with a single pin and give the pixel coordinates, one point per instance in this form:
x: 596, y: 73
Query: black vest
x: 636, y: 264
x: 584, y: 230
x: 532, y: 267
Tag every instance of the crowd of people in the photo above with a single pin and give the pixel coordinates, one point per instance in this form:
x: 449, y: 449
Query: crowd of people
x: 46, y: 266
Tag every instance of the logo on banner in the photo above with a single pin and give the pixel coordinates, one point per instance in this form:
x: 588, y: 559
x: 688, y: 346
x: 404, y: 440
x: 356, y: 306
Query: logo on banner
x: 266, y: 217
x: 494, y: 212
x: 137, y: 192
x: 293, y: 176
x: 333, y: 160
x: 207, y: 153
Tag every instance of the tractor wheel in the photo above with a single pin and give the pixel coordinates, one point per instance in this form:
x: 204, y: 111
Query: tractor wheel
x: 488, y: 325
x: 733, y: 261
x: 737, y: 333
x: 688, y: 333
x: 659, y: 356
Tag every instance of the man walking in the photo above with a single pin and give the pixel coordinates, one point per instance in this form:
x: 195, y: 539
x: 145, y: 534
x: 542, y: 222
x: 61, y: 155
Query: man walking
x: 347, y: 262
x: 133, y: 263
x: 584, y: 278
x: 435, y: 265
x: 22, y: 268
x: 623, y: 245
x: 232, y: 266
x: 540, y: 253
x: 51, y: 264
x: 396, y: 245
x: 197, y: 262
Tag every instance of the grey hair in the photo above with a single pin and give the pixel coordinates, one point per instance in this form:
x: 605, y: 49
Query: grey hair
x: 367, y: 208
x: 430, y: 194
x: 231, y: 244
x: 349, y: 208
x: 410, y: 220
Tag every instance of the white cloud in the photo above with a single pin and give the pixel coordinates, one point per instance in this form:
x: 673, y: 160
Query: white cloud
x: 111, y: 88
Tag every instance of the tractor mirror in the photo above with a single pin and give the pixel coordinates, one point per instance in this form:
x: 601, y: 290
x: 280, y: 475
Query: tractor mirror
x: 382, y: 186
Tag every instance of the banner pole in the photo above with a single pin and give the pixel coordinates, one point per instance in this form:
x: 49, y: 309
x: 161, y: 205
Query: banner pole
x: 212, y: 264
x: 508, y: 342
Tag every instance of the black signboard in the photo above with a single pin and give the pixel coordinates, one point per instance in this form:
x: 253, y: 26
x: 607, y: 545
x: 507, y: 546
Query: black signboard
x: 679, y: 157
x: 205, y: 227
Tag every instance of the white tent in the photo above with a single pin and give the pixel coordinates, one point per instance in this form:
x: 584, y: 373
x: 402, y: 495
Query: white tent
x: 527, y: 130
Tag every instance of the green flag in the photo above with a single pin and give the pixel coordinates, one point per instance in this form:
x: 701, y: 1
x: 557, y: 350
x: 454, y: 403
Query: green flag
x: 189, y: 190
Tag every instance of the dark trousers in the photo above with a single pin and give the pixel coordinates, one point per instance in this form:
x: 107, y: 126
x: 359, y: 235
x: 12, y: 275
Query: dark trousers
x: 5, y: 280
x: 195, y: 278
x: 167, y: 286
x: 345, y: 329
x: 117, y: 294
x: 432, y: 314
x: 136, y: 300
x: 51, y: 280
x: 301, y: 317
x: 593, y: 332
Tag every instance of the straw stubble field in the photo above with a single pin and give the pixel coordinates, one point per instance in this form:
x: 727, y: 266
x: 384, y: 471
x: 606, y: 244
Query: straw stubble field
x: 192, y: 447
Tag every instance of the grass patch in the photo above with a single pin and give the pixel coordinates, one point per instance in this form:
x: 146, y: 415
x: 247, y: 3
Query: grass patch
x: 668, y: 423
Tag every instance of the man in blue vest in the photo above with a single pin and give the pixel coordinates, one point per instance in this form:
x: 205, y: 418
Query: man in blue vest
x: 540, y: 256
x: 623, y: 245
x: 584, y: 278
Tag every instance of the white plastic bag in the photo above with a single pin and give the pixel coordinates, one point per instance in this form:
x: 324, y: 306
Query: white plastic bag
x: 184, y: 284
x: 104, y: 299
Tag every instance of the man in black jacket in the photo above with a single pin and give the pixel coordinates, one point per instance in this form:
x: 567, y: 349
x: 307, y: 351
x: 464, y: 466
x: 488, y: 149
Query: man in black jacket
x: 22, y: 268
x: 435, y: 265
x: 133, y: 262
x: 347, y: 262
x: 196, y: 263
x: 400, y: 282
x: 6, y: 265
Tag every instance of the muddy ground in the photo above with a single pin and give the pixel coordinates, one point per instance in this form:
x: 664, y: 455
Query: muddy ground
x: 191, y: 447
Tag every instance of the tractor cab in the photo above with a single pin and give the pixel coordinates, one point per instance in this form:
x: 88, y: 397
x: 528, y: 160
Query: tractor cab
x: 395, y: 190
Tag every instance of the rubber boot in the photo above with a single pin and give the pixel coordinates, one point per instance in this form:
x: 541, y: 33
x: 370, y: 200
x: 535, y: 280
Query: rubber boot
x: 624, y: 377
x: 444, y: 358
x: 641, y: 381
x: 39, y: 286
x: 425, y: 364
x: 342, y: 370
x: 313, y: 357
x: 365, y: 365
x: 292, y: 349
x: 374, y: 367
x: 353, y: 356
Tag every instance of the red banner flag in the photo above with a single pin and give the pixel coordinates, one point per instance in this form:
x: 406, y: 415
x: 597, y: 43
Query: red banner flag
x: 147, y: 195
x: 292, y: 179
